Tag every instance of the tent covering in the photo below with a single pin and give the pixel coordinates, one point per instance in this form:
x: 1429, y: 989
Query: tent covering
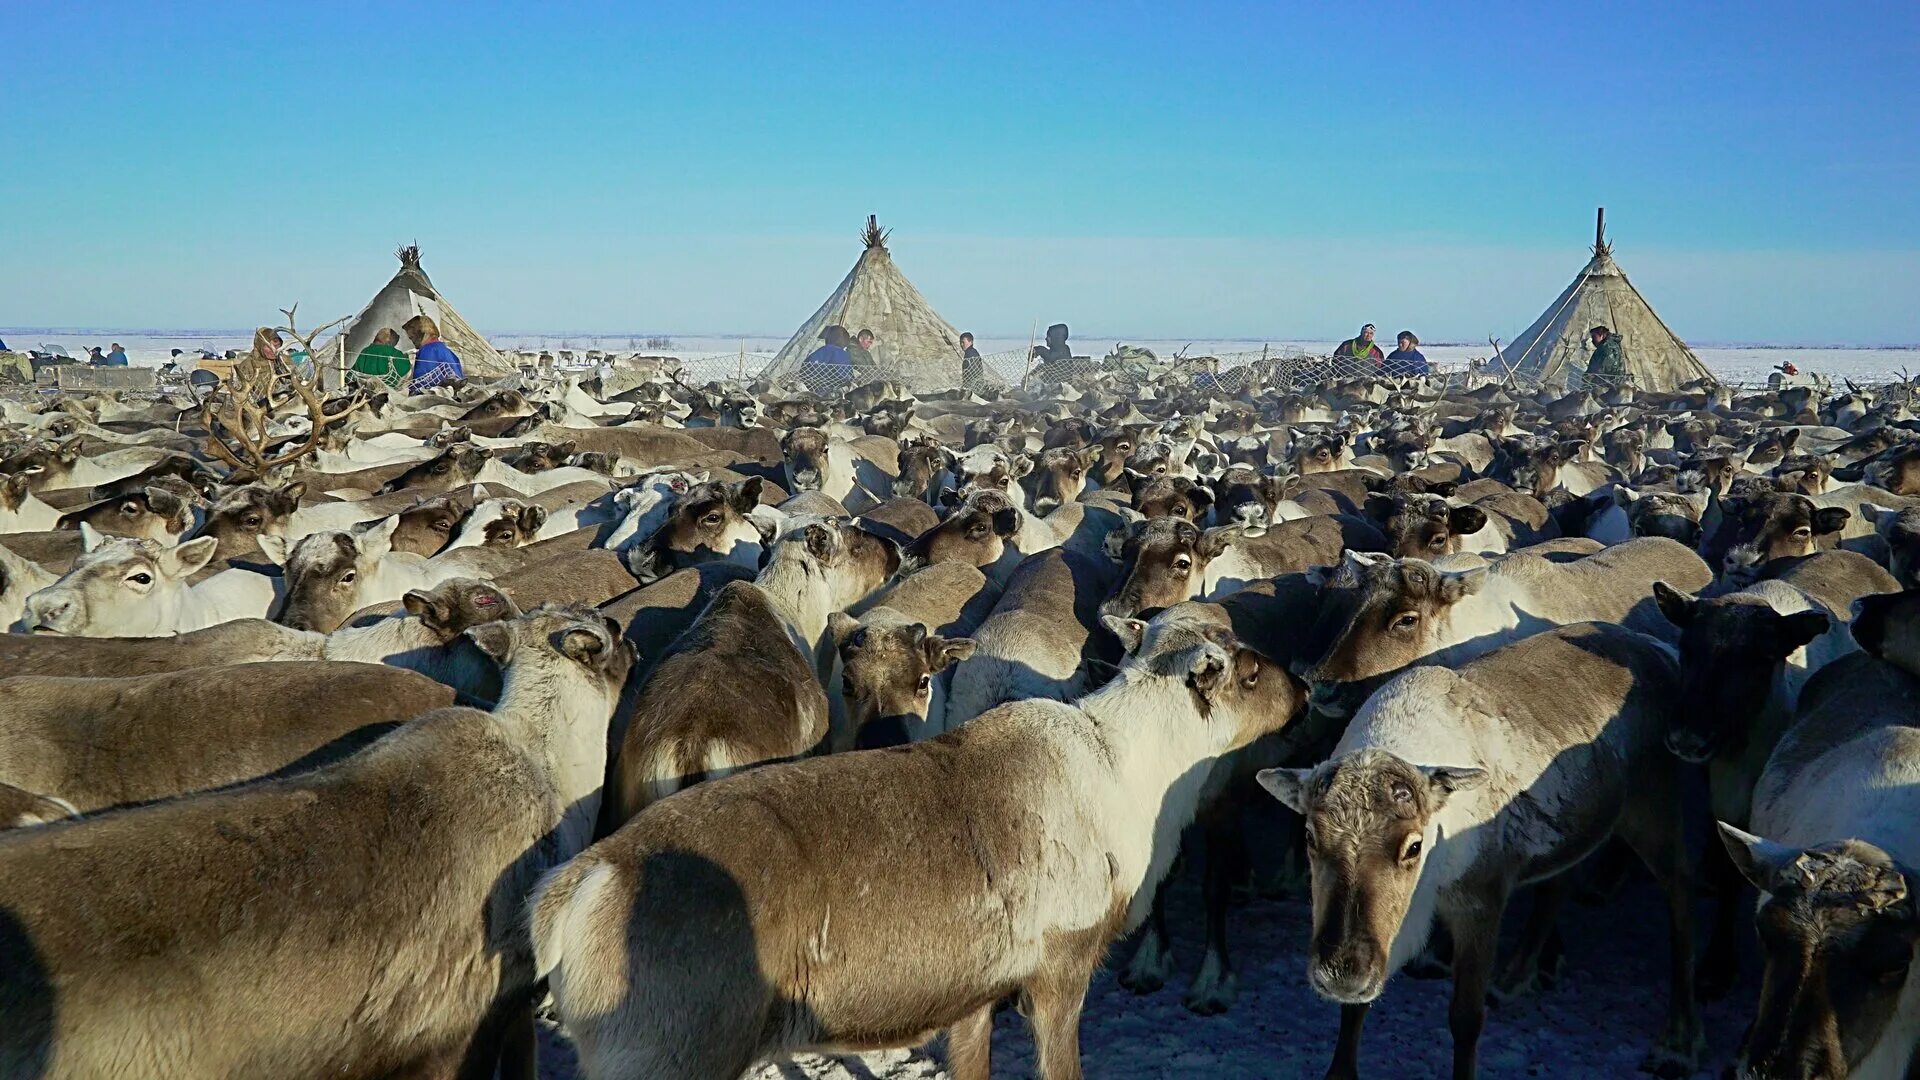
x: 407, y: 295
x: 911, y: 341
x: 1557, y: 345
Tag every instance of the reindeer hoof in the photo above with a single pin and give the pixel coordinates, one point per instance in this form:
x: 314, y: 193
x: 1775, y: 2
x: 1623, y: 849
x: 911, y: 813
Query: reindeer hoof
x: 1677, y: 1057
x: 1149, y: 968
x: 1214, y: 989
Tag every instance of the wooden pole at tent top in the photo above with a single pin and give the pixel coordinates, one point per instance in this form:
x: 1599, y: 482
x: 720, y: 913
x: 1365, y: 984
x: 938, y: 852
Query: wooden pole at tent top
x: 1600, y: 228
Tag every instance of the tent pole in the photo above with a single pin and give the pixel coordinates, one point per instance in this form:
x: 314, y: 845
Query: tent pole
x: 1600, y: 228
x: 1026, y: 363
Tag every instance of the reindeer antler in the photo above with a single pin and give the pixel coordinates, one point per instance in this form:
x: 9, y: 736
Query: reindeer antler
x: 250, y: 396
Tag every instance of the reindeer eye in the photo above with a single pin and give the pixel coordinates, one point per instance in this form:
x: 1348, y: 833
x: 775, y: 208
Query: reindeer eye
x: 1183, y: 564
x: 348, y: 577
x: 1406, y: 620
x: 711, y: 519
x: 252, y: 521
x: 926, y: 683
x: 1252, y: 678
x: 1803, y: 531
x: 141, y: 578
x: 1126, y: 446
x: 1412, y: 850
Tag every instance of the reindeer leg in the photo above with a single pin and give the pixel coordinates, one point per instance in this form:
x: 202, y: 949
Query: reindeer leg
x: 1056, y: 997
x: 1153, y: 959
x: 1651, y: 825
x: 1215, y: 988
x: 1475, y: 923
x: 970, y: 1045
x: 1720, y: 966
x: 1346, y: 1051
x: 1524, y: 971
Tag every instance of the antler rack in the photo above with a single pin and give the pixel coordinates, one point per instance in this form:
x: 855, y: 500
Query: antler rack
x: 236, y: 417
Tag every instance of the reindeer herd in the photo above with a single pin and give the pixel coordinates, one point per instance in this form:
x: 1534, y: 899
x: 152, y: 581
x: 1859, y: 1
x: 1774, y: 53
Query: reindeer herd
x: 355, y: 737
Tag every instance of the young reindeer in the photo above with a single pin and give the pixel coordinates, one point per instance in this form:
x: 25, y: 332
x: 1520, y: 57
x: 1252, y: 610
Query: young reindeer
x: 1380, y: 614
x: 1453, y: 787
x: 1836, y: 870
x: 893, y: 650
x: 19, y: 579
x: 372, y: 907
x: 124, y: 587
x: 742, y: 685
x: 739, y: 921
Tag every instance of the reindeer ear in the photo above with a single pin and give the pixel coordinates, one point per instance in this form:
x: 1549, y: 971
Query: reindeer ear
x: 433, y: 611
x: 943, y: 653
x: 1287, y: 785
x: 1130, y: 631
x: 90, y: 537
x: 745, y: 495
x: 1456, y: 585
x: 585, y: 644
x: 1466, y: 520
x: 1800, y: 628
x: 532, y: 517
x: 1213, y: 542
x: 1759, y: 861
x: 1677, y: 606
x: 163, y: 501
x: 1444, y: 780
x: 274, y: 547
x: 841, y: 626
x: 186, y: 559
x: 494, y: 639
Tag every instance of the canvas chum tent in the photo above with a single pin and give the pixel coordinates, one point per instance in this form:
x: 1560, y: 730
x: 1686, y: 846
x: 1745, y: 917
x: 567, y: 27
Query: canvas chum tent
x: 407, y: 295
x: 1557, y: 347
x: 912, y: 342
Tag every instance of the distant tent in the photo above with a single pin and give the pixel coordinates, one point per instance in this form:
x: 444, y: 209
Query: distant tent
x: 1557, y: 345
x: 407, y: 295
x: 912, y: 342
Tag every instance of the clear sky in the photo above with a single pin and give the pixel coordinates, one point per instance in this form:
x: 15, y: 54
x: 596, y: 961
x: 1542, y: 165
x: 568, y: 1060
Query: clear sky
x: 1150, y: 170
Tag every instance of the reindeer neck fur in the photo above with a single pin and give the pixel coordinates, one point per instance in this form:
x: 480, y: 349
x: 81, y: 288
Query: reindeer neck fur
x: 33, y: 516
x: 1145, y: 729
x: 227, y: 595
x: 409, y: 643
x: 1034, y: 534
x: 1500, y: 612
x: 803, y: 594
x: 555, y: 710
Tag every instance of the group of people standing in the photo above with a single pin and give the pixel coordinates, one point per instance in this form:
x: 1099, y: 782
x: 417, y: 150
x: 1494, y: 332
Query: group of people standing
x: 433, y: 362
x: 115, y: 357
x: 841, y: 360
x: 1607, y: 366
x: 1406, y: 361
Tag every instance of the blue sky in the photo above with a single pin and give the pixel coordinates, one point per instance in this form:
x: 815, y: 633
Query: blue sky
x: 1148, y: 170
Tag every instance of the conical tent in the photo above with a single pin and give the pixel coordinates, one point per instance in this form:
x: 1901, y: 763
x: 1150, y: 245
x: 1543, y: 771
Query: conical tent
x: 912, y: 342
x: 1557, y: 345
x: 407, y: 295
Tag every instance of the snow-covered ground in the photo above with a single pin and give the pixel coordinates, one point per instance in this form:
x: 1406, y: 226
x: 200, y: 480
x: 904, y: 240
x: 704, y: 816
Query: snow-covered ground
x: 1739, y: 364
